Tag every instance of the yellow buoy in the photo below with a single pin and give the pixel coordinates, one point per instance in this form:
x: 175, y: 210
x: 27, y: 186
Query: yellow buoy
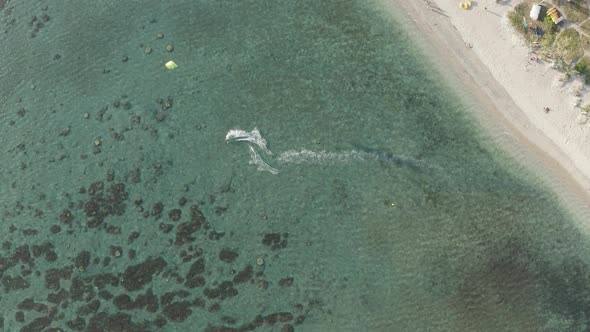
x: 171, y: 65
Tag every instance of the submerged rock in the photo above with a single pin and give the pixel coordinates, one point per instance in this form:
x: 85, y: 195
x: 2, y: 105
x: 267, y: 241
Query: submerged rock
x: 136, y: 276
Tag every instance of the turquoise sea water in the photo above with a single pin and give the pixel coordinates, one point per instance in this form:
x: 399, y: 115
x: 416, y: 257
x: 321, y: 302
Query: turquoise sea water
x: 124, y: 209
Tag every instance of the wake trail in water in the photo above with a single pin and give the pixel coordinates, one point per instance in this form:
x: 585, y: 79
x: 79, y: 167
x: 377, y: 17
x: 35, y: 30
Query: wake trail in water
x: 331, y: 158
x: 262, y: 165
x: 319, y: 157
x: 324, y: 158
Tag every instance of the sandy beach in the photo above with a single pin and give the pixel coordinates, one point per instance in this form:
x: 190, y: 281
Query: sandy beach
x: 480, y: 53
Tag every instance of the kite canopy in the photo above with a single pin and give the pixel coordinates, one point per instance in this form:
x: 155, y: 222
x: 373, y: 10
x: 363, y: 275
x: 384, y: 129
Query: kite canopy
x: 171, y: 65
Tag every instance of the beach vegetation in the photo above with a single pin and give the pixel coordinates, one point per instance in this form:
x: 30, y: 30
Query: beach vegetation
x: 550, y: 29
x: 551, y: 26
x: 585, y: 26
x: 585, y: 41
x: 576, y: 10
x: 568, y: 45
x: 583, y: 67
x: 547, y: 42
x: 515, y: 17
x: 565, y: 48
x: 560, y: 65
x: 586, y: 108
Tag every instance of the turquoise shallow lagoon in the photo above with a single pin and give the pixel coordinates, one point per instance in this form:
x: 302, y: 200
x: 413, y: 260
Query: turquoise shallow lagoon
x: 123, y: 208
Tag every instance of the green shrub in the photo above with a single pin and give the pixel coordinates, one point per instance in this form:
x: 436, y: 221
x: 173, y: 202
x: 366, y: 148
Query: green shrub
x: 585, y: 42
x: 547, y: 41
x: 583, y: 67
x: 568, y: 45
x: 516, y: 21
x: 549, y: 25
x: 515, y: 17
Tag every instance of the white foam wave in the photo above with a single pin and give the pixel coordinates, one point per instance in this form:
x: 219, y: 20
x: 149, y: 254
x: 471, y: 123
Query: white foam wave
x: 262, y: 165
x: 239, y: 135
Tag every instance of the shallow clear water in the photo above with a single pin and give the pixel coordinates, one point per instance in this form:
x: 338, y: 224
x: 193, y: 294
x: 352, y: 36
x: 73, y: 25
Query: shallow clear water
x: 125, y: 209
